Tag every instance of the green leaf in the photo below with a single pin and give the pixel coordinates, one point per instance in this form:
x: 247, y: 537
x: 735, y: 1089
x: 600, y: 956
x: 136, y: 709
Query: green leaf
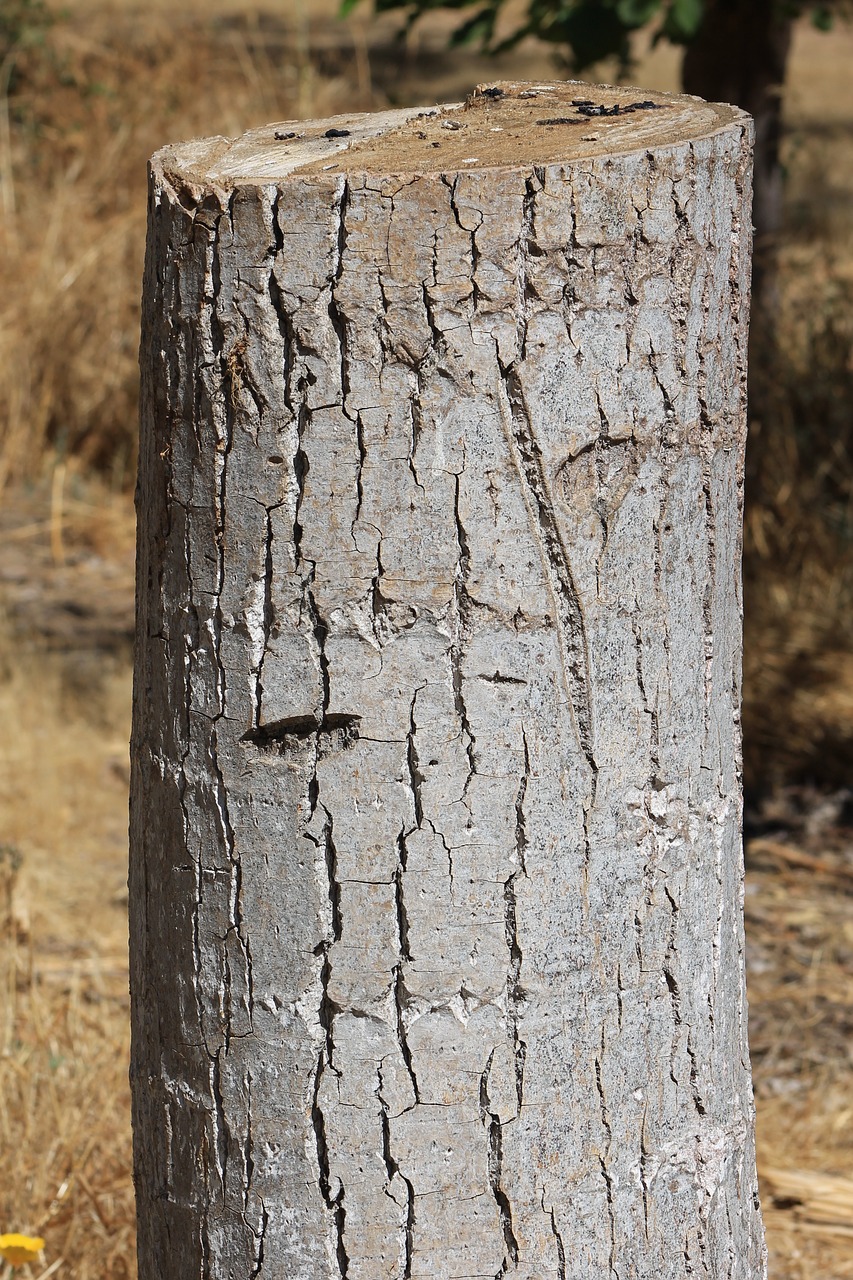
x: 683, y: 20
x: 346, y: 7
x: 636, y: 13
x: 822, y: 17
x: 481, y: 27
x: 592, y: 29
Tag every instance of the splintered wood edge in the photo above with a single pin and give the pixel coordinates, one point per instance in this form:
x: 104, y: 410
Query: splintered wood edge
x: 506, y: 125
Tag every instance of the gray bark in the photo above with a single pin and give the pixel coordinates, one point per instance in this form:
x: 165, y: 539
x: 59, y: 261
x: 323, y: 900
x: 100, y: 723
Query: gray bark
x: 437, y: 954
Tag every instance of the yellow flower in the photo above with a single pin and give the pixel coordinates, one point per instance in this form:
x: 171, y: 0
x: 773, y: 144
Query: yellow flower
x: 17, y: 1250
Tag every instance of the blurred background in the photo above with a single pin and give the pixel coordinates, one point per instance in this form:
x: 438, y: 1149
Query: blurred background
x: 87, y: 93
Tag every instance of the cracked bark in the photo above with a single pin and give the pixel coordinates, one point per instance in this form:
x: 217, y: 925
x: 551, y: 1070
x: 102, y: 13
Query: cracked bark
x: 437, y: 962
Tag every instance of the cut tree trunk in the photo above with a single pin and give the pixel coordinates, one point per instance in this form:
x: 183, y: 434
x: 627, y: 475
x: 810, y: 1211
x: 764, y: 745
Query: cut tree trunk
x: 437, y: 953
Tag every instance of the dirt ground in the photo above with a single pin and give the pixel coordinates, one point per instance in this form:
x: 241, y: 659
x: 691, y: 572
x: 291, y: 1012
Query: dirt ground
x: 66, y: 599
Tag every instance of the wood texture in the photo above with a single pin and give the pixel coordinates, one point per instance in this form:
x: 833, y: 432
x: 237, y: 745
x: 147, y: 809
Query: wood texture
x: 437, y: 955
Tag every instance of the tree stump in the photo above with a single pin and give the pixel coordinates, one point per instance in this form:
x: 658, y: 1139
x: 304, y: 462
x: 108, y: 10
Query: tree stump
x: 437, y: 952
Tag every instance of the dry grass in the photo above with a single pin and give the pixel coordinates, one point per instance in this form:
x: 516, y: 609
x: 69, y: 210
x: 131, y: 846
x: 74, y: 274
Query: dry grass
x: 798, y: 679
x: 120, y: 80
x: 64, y: 1099
x: 800, y: 953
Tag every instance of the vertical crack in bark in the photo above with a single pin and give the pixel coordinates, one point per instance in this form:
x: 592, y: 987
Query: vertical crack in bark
x: 398, y: 989
x: 415, y: 776
x: 671, y: 981
x: 463, y: 632
x: 259, y: 1231
x: 268, y: 615
x: 338, y: 321
x: 708, y: 600
x: 716, y: 944
x: 520, y: 819
x: 495, y: 1164
x: 334, y: 1203
x: 644, y: 1173
x: 224, y: 445
x: 327, y: 1009
x: 392, y: 1170
x: 300, y: 471
x: 447, y: 849
x: 415, y: 412
x: 204, y: 1242
x: 675, y: 998
x: 659, y: 526
x: 730, y: 1238
x: 586, y: 867
x: 378, y: 603
x: 191, y: 643
x: 604, y: 1158
x: 283, y: 315
x: 561, y: 1250
x: 248, y: 1148
x: 245, y: 942
x: 335, y: 315
x: 359, y: 478
x: 235, y: 925
x: 513, y: 981
x: 648, y: 708
x: 260, y: 1240
x: 400, y: 899
x: 637, y: 925
x: 320, y: 630
x: 332, y: 869
x: 694, y: 1076
x: 472, y: 235
x: 513, y: 985
x: 219, y: 1122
